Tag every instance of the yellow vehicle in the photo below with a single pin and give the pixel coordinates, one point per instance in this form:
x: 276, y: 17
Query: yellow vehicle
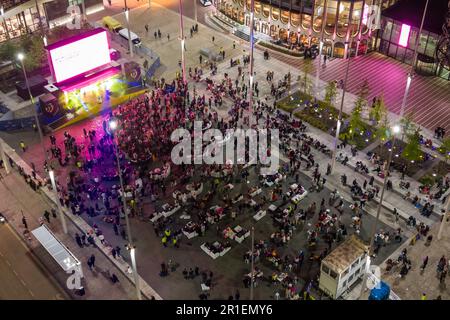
x: 112, y: 24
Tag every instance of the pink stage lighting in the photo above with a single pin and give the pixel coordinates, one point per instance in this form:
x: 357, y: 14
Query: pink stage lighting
x: 404, y: 35
x: 78, y: 55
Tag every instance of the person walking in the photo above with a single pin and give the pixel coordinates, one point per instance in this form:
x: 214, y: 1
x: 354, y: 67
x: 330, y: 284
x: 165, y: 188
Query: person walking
x: 24, y: 222
x: 23, y: 146
x: 424, y: 263
x: 47, y: 216
x: 237, y: 295
x: 78, y: 240
x: 213, y: 39
x: 114, y: 253
x: 92, y: 260
x: 89, y: 263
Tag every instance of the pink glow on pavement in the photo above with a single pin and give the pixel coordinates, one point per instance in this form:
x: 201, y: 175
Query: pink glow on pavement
x: 404, y: 35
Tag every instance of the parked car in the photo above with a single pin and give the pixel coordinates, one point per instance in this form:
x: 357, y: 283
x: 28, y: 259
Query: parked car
x: 206, y: 3
x: 2, y: 218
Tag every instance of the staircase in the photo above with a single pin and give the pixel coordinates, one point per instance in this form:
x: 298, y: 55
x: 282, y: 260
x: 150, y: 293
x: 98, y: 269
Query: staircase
x: 242, y: 35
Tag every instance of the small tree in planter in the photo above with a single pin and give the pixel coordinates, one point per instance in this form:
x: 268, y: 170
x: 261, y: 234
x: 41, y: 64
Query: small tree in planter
x: 382, y: 131
x: 445, y: 149
x: 379, y: 111
x: 356, y: 123
x: 412, y: 151
x: 330, y: 93
x: 408, y: 126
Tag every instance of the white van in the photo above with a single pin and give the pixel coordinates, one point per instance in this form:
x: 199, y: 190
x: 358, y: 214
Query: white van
x: 134, y: 38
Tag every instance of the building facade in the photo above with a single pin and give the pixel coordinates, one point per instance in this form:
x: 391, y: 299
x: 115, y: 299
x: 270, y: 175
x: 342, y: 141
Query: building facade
x: 20, y: 17
x: 399, y: 35
x: 343, y: 25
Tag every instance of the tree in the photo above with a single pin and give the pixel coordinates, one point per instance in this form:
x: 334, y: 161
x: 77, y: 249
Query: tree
x: 382, y: 131
x: 306, y: 82
x: 330, y: 93
x: 445, y: 148
x: 408, y: 126
x: 412, y: 151
x: 356, y: 123
x: 8, y: 50
x: 379, y: 110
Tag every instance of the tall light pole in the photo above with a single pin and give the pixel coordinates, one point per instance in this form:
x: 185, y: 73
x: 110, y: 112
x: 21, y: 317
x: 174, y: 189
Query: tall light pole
x: 445, y: 216
x: 51, y: 175
x: 21, y: 57
x: 113, y: 125
x: 127, y: 14
x: 320, y: 49
x: 195, y: 11
x: 252, y: 281
x: 339, y: 120
x: 252, y: 44
x: 183, y: 62
x: 58, y: 204
x: 394, y: 130
x: 411, y: 71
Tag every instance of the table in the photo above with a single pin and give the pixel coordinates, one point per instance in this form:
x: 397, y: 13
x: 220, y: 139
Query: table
x: 171, y: 211
x: 259, y: 215
x: 281, y: 276
x: 228, y: 233
x: 273, y: 208
x: 240, y: 234
x: 189, y: 230
x: 256, y: 192
x: 238, y: 198
x: 298, y: 197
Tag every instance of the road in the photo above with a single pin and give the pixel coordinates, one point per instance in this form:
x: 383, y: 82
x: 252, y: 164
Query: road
x: 21, y: 275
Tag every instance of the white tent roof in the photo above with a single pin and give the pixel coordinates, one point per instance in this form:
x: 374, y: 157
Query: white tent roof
x: 55, y: 248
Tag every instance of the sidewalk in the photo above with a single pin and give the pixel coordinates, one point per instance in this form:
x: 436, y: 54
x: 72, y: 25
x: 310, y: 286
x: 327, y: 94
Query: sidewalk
x: 18, y: 197
x: 78, y: 225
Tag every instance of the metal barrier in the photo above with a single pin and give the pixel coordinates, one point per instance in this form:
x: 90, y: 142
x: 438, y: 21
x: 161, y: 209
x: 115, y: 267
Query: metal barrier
x: 17, y: 124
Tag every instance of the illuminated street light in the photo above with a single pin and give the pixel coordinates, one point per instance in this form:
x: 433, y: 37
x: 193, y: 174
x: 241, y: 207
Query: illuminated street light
x: 113, y: 125
x: 395, y: 130
x: 58, y: 204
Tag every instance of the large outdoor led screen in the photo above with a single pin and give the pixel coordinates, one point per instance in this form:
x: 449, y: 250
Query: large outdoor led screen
x: 75, y: 56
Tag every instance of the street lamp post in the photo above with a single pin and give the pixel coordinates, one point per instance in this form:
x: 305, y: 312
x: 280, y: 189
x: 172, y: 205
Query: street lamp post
x: 395, y: 130
x: 4, y: 158
x: 20, y: 57
x: 183, y: 62
x: 445, y: 216
x: 51, y: 174
x: 252, y: 275
x: 320, y: 50
x: 339, y: 120
x: 195, y: 11
x: 113, y: 126
x: 411, y: 72
x: 58, y: 204
x: 130, y: 43
x: 252, y: 44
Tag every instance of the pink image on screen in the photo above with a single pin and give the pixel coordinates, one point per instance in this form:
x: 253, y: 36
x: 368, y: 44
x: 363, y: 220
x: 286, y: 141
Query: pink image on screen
x: 80, y: 56
x: 404, y: 35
